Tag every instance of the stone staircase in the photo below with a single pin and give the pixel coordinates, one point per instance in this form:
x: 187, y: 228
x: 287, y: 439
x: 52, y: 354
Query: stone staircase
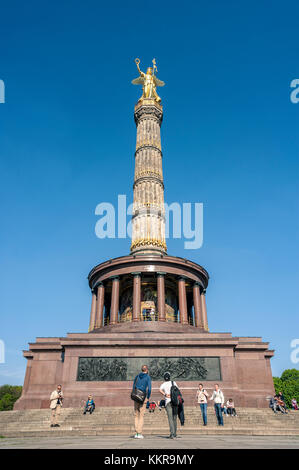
x: 120, y: 421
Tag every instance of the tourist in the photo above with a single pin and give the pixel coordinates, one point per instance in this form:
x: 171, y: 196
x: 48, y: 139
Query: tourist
x: 273, y: 404
x: 281, y: 404
x: 294, y: 404
x: 152, y: 406
x: 231, y: 410
x: 56, y: 400
x: 181, y: 413
x: 161, y: 404
x: 172, y: 410
x: 282, y: 401
x: 281, y: 396
x: 202, y: 396
x: 89, y: 405
x: 142, y: 382
x: 218, y: 399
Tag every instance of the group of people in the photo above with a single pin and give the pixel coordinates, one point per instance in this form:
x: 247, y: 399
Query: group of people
x: 151, y: 406
x: 277, y: 403
x: 170, y: 392
x: 219, y: 404
x: 172, y: 401
x: 174, y: 406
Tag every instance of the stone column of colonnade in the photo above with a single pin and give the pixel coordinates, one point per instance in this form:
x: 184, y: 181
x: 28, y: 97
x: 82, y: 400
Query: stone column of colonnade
x: 93, y: 310
x: 200, y: 308
x: 148, y: 218
x: 100, y: 306
x: 97, y: 307
x: 136, y: 296
x: 204, y: 310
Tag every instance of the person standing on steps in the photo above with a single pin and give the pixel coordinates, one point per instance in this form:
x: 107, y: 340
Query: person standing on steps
x: 172, y: 410
x: 56, y: 400
x: 218, y: 399
x: 202, y: 396
x: 142, y: 387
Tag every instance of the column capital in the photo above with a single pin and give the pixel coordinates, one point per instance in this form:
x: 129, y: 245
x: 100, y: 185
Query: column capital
x: 161, y: 273
x: 114, y: 278
x: 204, y: 291
x: 197, y: 284
x: 136, y: 273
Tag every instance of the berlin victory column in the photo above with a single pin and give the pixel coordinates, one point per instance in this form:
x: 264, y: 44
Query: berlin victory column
x: 147, y: 307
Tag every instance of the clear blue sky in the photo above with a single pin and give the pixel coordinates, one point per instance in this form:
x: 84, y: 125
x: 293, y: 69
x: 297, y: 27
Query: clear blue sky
x: 67, y: 137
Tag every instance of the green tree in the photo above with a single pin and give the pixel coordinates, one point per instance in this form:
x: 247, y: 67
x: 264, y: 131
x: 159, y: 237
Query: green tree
x: 290, y: 374
x: 277, y: 384
x: 6, y: 402
x: 9, y: 394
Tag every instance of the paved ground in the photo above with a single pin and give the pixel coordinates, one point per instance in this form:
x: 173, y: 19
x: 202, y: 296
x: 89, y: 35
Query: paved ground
x: 153, y: 442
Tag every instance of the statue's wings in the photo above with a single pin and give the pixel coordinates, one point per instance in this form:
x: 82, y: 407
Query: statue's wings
x: 138, y: 81
x: 158, y: 82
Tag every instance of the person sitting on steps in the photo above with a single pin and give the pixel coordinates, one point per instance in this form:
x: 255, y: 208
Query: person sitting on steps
x: 230, y: 406
x: 89, y: 405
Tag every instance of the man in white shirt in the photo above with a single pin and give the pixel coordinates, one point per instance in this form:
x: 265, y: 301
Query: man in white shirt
x: 56, y: 400
x: 218, y: 398
x: 172, y: 411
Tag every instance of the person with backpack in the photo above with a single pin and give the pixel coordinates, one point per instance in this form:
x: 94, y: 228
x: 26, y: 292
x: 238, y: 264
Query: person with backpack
x: 171, y: 393
x: 142, y: 387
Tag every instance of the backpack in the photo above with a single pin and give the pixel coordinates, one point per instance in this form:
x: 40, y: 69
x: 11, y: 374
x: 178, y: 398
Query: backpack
x: 176, y: 397
x: 137, y: 394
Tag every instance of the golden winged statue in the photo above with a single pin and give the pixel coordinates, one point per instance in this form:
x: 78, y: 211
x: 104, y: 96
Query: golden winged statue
x: 148, y: 81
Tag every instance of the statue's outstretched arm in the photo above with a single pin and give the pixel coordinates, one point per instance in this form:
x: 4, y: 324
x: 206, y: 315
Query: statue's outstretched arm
x: 140, y: 71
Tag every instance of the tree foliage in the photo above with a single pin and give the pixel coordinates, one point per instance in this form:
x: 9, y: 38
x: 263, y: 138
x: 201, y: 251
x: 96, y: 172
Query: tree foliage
x: 9, y: 394
x: 288, y: 384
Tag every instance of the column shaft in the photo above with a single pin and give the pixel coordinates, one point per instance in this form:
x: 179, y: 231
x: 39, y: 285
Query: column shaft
x: 114, y: 301
x: 100, y: 306
x: 136, y: 296
x: 183, y: 301
x: 199, y: 322
x: 93, y: 311
x: 161, y: 296
x: 204, y: 311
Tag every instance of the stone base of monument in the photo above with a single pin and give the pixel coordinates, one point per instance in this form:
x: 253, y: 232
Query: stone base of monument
x: 104, y: 363
x: 120, y: 421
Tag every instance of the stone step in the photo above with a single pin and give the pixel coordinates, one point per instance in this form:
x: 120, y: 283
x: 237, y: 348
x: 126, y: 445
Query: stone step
x: 34, y: 426
x: 120, y: 420
x: 4, y: 414
x: 146, y: 426
x: 121, y: 431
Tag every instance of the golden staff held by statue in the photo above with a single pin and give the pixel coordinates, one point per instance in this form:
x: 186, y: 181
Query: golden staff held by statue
x: 148, y: 81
